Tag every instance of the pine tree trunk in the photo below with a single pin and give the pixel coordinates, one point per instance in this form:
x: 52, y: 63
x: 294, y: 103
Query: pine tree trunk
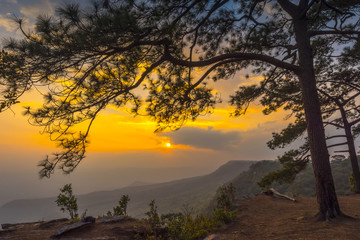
x: 325, y: 189
x: 352, y: 154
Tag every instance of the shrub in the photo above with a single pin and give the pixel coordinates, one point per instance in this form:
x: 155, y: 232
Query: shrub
x: 352, y: 183
x: 183, y: 226
x: 187, y: 226
x: 223, y: 212
x: 174, y: 223
x: 153, y: 216
x: 226, y: 197
x: 223, y: 216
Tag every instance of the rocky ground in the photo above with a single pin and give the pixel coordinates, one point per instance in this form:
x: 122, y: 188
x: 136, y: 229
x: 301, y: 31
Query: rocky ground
x: 122, y: 229
x: 262, y: 217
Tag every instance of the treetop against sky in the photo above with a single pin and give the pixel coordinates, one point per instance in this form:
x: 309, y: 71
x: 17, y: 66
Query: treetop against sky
x: 116, y: 132
x: 201, y: 38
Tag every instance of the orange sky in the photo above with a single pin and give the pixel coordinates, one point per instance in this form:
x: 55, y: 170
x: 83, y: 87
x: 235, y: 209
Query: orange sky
x: 116, y: 131
x: 120, y: 141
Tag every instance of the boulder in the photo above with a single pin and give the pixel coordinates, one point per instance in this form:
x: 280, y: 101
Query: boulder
x: 69, y: 228
x: 111, y: 219
x: 89, y: 219
x: 49, y: 224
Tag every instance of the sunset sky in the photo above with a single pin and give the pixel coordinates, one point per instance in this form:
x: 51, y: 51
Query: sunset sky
x: 119, y: 141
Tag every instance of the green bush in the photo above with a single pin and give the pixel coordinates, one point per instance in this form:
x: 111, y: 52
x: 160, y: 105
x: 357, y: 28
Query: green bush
x: 352, y: 183
x: 223, y: 211
x: 183, y: 226
x: 223, y: 216
x: 153, y: 216
x: 226, y: 197
x: 188, y: 226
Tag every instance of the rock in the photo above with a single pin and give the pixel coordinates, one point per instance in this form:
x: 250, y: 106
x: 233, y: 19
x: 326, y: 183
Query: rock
x: 212, y: 237
x: 6, y: 231
x: 89, y: 219
x: 49, y: 224
x: 70, y: 228
x: 8, y: 226
x: 111, y: 219
x: 18, y: 225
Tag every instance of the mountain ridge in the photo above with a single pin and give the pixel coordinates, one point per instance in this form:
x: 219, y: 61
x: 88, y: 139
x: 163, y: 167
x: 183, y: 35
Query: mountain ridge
x: 169, y: 196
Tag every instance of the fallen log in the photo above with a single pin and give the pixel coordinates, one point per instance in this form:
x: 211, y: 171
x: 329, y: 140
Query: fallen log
x: 272, y: 192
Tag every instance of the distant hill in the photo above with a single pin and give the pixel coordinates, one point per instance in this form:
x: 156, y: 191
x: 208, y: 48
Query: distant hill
x: 303, y: 185
x: 171, y: 196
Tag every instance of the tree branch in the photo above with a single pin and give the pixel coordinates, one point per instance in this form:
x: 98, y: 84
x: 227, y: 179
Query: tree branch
x: 354, y: 122
x: 209, y: 71
x: 235, y: 56
x: 335, y: 136
x: 341, y: 151
x: 334, y: 124
x: 288, y: 6
x: 333, y: 32
x: 307, y: 7
x: 147, y: 71
x: 337, y: 144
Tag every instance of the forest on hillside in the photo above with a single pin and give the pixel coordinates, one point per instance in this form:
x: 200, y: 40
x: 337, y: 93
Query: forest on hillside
x: 246, y: 183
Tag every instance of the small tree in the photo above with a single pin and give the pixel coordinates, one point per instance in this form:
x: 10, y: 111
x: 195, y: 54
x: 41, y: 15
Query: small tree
x: 121, y: 208
x: 67, y: 201
x: 226, y: 197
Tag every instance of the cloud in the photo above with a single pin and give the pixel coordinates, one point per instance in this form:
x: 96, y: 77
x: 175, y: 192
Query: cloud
x: 7, y: 23
x: 12, y: 1
x: 205, y: 138
x: 32, y: 9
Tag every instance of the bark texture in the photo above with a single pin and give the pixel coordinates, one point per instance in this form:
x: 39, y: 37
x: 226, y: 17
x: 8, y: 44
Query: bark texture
x: 325, y: 189
x: 353, y: 155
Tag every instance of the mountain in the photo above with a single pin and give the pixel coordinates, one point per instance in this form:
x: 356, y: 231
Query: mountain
x: 195, y: 192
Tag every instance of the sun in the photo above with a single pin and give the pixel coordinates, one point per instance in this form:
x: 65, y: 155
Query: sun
x: 168, y: 144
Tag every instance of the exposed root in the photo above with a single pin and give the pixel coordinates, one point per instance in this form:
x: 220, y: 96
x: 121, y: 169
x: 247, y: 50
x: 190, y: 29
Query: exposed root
x: 325, y: 217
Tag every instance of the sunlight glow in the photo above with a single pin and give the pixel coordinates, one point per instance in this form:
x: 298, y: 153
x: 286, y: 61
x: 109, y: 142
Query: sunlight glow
x: 168, y: 144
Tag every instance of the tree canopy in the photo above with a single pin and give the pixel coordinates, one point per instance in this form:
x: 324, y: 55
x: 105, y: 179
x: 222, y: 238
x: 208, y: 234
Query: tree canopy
x: 95, y: 57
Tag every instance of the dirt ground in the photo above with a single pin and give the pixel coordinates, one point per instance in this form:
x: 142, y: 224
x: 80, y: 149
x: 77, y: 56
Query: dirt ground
x: 262, y: 217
